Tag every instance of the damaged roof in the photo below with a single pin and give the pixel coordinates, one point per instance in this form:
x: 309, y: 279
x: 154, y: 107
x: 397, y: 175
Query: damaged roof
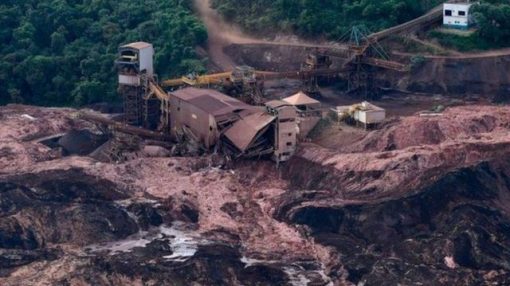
x: 301, y: 98
x: 276, y: 104
x: 245, y: 131
x: 211, y: 101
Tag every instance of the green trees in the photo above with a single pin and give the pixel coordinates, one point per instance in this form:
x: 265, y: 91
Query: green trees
x: 315, y: 18
x: 58, y: 52
x: 493, y: 21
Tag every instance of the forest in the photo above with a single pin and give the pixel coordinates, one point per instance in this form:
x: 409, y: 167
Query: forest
x: 333, y: 18
x: 61, y: 52
x: 493, y: 20
x: 313, y: 18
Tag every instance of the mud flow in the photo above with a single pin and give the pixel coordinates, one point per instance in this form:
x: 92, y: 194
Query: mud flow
x: 417, y: 199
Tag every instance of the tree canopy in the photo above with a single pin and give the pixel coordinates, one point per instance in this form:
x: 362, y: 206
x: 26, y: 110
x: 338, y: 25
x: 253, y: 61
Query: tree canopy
x: 61, y: 52
x: 316, y: 18
x: 493, y: 20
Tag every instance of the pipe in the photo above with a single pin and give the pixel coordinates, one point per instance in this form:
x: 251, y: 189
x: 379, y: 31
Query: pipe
x: 123, y: 128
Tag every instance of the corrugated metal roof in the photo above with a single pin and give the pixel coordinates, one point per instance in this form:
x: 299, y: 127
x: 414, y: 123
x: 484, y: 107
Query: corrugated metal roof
x: 244, y: 131
x: 276, y: 103
x: 208, y: 103
x: 138, y: 45
x: 301, y: 98
x: 211, y: 101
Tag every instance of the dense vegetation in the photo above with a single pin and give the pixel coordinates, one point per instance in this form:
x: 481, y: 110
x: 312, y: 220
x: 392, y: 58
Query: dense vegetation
x: 333, y: 18
x: 312, y: 18
x: 493, y: 20
x: 61, y: 52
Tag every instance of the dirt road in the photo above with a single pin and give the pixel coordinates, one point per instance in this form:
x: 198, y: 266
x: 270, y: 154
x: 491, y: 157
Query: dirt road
x: 221, y: 34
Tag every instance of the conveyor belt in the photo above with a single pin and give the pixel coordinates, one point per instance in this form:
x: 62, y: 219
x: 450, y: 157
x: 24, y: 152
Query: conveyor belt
x: 431, y: 17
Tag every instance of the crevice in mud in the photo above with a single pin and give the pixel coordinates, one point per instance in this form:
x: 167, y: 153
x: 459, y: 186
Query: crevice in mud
x: 173, y: 256
x: 56, y: 207
x: 74, y: 142
x: 385, y: 243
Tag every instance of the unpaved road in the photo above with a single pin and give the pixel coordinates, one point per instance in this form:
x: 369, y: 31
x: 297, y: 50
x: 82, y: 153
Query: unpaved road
x: 221, y: 34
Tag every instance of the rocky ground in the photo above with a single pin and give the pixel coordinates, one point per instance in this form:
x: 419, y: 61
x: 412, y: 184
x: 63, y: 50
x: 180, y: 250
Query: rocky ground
x: 422, y: 201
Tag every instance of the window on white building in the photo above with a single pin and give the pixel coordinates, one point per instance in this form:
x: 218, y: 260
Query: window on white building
x: 447, y: 12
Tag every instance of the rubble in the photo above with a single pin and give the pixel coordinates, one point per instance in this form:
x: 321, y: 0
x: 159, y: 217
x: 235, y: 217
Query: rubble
x: 430, y: 208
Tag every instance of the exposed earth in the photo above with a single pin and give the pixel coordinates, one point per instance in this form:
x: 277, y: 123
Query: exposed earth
x: 424, y: 199
x: 420, y: 200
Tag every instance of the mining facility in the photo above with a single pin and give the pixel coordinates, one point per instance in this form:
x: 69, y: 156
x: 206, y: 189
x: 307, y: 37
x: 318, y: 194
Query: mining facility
x: 241, y: 124
x: 227, y: 112
x: 206, y: 117
x: 360, y: 162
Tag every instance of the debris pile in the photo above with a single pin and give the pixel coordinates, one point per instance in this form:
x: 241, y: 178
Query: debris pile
x: 326, y: 217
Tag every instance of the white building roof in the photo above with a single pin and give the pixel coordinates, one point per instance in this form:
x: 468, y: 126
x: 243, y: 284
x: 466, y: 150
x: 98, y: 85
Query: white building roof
x: 138, y: 45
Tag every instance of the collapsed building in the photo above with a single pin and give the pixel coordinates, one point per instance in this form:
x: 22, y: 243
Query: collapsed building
x: 207, y: 117
x: 215, y: 120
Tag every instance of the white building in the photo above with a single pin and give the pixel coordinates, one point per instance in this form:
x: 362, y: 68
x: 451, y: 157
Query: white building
x: 135, y: 59
x: 364, y: 113
x: 456, y: 15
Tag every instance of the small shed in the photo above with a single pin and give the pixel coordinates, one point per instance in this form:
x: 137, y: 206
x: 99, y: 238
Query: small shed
x: 369, y: 114
x: 456, y: 15
x: 365, y: 113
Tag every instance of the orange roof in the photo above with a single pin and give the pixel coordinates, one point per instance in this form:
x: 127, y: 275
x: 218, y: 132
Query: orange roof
x: 300, y: 98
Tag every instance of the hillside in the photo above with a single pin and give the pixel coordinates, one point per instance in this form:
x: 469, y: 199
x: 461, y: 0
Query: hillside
x: 492, y: 28
x: 62, y: 52
x: 332, y: 18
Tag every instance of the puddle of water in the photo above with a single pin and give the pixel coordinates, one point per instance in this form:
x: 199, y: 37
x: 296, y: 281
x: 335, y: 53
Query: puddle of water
x: 297, y: 274
x: 184, y: 243
x: 140, y: 239
x: 252, y: 261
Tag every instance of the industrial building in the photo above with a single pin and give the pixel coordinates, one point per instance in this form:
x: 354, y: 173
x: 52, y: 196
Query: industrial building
x: 214, y: 119
x: 456, y: 15
x: 135, y: 67
x: 205, y: 116
x: 285, y: 129
x: 204, y: 112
